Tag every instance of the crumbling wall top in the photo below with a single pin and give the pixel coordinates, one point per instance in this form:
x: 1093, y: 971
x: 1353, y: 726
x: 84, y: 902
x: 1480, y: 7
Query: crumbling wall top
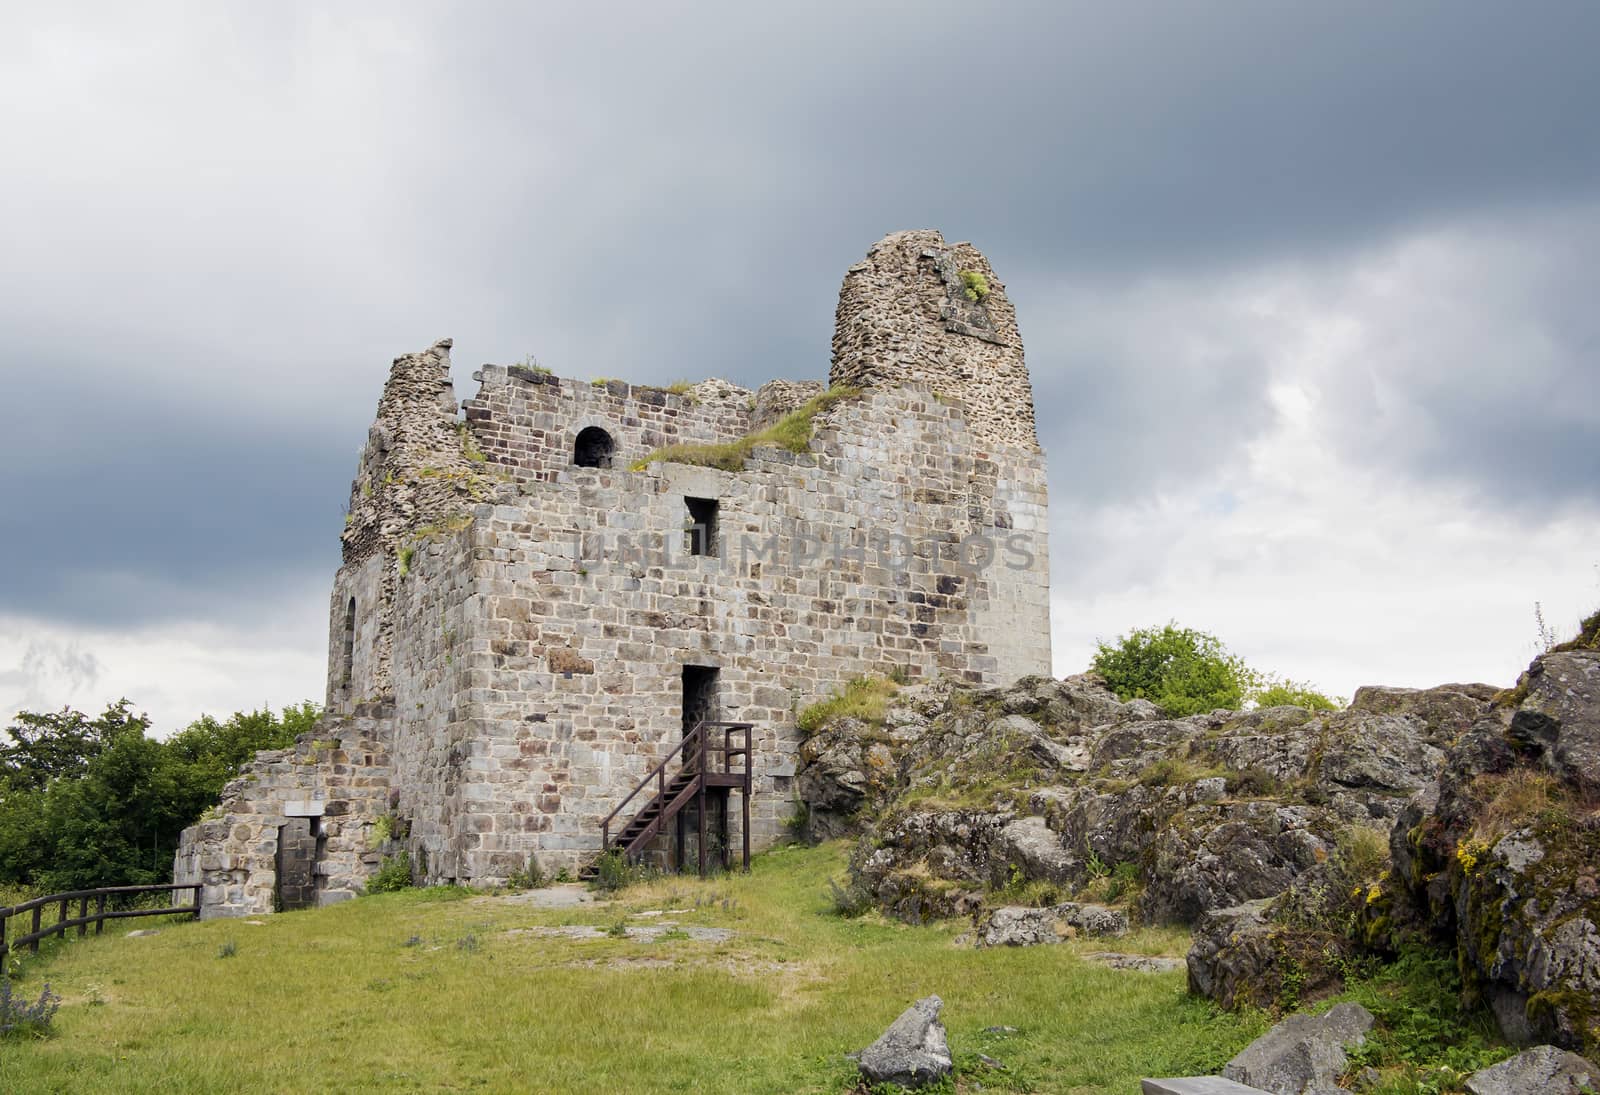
x: 920, y: 310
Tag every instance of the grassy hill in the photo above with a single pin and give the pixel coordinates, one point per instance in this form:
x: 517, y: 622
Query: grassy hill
x: 442, y: 990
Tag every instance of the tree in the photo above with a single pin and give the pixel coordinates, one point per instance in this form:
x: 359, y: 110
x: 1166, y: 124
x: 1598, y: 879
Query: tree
x: 60, y: 744
x: 1182, y: 671
x: 95, y: 802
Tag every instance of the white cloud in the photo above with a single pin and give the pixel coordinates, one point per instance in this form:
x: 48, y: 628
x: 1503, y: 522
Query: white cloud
x: 1319, y: 557
x: 174, y: 672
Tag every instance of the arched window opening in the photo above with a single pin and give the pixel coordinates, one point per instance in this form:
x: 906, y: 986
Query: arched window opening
x: 349, y: 643
x: 593, y: 448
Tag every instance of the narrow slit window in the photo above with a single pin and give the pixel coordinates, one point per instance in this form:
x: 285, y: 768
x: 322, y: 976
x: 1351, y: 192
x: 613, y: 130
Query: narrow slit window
x: 702, y: 527
x: 349, y: 659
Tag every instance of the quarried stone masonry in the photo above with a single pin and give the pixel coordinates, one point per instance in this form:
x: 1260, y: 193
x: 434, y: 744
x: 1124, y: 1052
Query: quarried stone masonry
x: 535, y: 604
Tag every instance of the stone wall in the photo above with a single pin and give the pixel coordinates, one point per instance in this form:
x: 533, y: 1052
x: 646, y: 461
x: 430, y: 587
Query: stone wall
x: 529, y: 421
x: 832, y: 563
x: 418, y: 473
x: 904, y: 316
x: 338, y: 775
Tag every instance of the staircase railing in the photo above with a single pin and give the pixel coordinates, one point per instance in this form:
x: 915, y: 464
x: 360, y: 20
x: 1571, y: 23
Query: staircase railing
x: 696, y: 750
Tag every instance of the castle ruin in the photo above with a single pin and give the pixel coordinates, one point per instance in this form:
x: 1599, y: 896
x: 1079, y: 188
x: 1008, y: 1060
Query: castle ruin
x: 545, y: 588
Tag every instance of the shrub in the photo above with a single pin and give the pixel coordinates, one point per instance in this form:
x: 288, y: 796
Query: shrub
x: 1182, y: 671
x: 393, y: 875
x: 228, y: 949
x: 386, y: 827
x: 1295, y: 694
x: 530, y: 877
x: 613, y: 872
x: 975, y: 285
x: 849, y: 900
x: 19, y: 1017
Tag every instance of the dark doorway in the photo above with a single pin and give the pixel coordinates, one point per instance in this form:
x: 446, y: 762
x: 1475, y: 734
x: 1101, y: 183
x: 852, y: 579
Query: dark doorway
x: 296, y: 863
x: 699, y: 695
x: 594, y: 448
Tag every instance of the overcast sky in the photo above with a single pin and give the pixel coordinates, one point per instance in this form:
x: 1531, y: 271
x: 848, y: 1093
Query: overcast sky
x: 1308, y: 293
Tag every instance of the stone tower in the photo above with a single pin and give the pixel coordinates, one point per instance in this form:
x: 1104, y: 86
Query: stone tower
x: 921, y: 311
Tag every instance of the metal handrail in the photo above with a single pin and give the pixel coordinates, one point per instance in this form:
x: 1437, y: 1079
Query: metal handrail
x: 698, y: 737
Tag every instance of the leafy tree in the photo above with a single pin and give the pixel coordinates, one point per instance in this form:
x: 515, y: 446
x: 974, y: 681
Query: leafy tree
x: 1182, y: 671
x: 95, y: 802
x: 60, y: 744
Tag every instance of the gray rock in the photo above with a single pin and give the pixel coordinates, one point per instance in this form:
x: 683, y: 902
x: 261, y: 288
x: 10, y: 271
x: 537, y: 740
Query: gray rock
x: 142, y: 933
x: 1230, y: 953
x: 1037, y: 849
x: 1303, y: 1053
x: 1543, y: 1070
x: 913, y: 1051
x: 1140, y: 963
x: 1565, y: 687
x: 1019, y: 926
x: 1196, y: 1085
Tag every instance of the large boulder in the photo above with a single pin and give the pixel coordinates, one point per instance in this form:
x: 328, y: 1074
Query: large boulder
x: 1303, y: 1054
x: 1542, y: 1070
x: 913, y: 1052
x: 1215, y: 856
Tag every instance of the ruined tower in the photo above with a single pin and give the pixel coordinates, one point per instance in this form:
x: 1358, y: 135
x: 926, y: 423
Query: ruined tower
x: 542, y: 598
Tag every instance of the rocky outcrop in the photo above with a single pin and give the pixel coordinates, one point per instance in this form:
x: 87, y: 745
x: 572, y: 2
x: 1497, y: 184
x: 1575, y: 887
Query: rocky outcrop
x: 1500, y: 858
x: 1058, y: 784
x: 1304, y: 1054
x: 913, y: 1052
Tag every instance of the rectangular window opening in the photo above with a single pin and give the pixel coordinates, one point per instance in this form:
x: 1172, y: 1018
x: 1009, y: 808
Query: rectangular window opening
x: 702, y: 528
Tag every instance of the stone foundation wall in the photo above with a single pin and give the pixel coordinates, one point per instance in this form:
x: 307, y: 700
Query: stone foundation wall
x: 339, y: 775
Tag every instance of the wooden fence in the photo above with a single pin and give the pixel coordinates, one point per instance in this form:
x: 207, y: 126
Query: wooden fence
x: 62, y: 902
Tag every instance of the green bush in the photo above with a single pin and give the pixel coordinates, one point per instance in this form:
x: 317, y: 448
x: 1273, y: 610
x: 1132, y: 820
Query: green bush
x: 1182, y: 671
x: 395, y: 874
x: 88, y: 802
x: 1294, y: 694
x: 975, y: 285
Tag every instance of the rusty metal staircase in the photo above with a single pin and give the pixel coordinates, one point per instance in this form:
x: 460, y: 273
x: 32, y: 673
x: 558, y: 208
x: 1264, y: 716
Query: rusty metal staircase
x: 710, y: 765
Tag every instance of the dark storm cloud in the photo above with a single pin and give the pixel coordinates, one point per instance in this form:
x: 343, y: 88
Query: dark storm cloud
x: 229, y: 222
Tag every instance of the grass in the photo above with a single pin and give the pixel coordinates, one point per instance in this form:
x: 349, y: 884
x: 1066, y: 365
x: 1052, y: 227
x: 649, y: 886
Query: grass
x: 864, y: 698
x: 792, y: 432
x: 387, y: 993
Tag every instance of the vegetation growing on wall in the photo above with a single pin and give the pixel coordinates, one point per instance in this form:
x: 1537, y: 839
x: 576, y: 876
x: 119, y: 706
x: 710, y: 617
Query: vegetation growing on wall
x: 864, y: 698
x: 792, y: 432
